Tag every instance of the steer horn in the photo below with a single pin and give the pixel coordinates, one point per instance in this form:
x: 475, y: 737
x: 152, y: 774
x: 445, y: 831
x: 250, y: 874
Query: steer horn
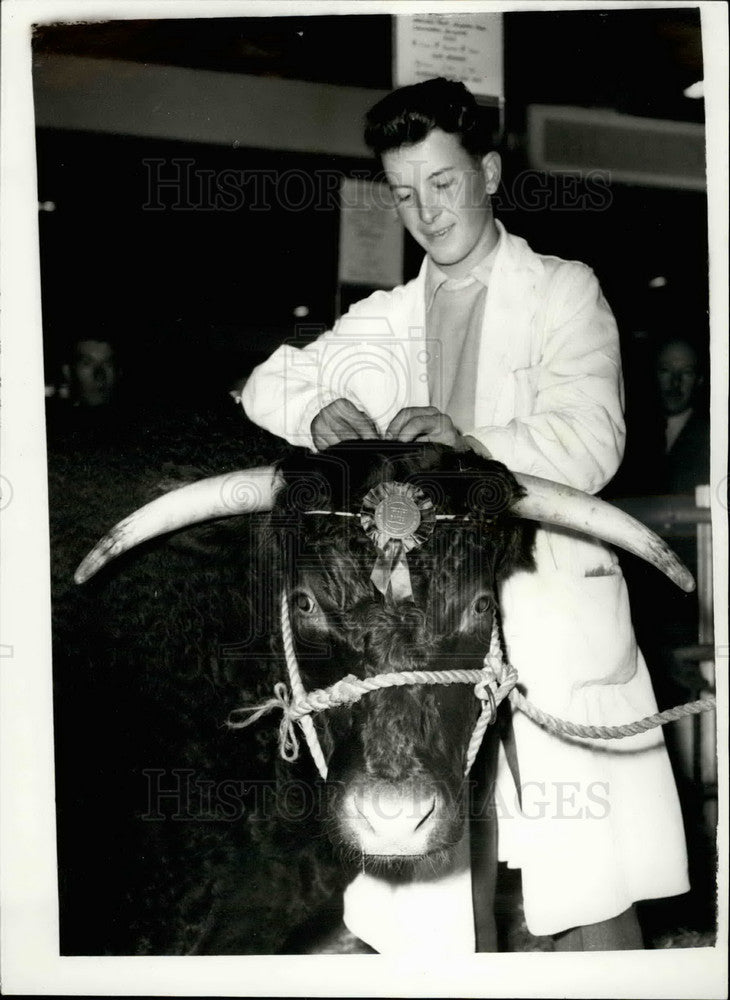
x: 252, y: 490
x: 565, y: 507
x: 244, y: 492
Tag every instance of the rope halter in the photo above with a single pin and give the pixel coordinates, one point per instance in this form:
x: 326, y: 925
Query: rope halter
x: 492, y: 683
x: 396, y: 517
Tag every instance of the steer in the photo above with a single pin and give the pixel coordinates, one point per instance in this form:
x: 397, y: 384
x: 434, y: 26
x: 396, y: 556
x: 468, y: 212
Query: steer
x: 389, y: 559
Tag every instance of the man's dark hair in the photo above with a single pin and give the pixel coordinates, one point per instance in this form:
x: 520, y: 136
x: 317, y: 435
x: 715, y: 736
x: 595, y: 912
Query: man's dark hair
x: 407, y: 116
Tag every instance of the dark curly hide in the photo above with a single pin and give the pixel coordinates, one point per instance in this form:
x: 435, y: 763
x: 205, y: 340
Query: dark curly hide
x: 149, y: 659
x: 174, y: 834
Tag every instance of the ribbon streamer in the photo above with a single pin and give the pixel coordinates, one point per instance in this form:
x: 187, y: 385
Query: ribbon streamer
x: 396, y: 517
x: 391, y: 570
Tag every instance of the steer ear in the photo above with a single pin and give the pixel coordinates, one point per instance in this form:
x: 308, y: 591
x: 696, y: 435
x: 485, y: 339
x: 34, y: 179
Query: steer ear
x: 563, y: 506
x: 245, y: 492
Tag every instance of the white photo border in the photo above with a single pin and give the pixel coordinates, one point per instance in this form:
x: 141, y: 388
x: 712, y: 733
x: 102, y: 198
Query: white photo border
x: 29, y: 930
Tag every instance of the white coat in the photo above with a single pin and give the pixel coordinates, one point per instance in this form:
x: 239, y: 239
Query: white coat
x: 548, y: 393
x: 599, y: 827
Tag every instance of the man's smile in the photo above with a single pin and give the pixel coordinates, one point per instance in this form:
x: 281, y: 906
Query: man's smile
x: 439, y: 233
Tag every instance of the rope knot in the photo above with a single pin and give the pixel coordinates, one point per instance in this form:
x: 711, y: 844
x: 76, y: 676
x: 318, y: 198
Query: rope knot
x: 488, y: 689
x: 288, y: 742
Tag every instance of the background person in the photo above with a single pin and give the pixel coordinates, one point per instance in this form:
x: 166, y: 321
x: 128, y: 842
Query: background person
x: 92, y: 373
x: 687, y: 427
x: 86, y: 406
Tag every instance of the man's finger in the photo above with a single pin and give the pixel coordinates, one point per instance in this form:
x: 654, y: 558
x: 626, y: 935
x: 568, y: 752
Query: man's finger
x: 352, y: 429
x: 323, y: 437
x: 403, y: 416
x: 331, y: 426
x: 364, y: 426
x: 349, y: 416
x: 419, y: 425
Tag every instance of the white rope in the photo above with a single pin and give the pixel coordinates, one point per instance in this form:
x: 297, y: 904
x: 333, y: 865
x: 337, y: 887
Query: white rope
x: 492, y: 683
x: 299, y: 694
x: 349, y: 513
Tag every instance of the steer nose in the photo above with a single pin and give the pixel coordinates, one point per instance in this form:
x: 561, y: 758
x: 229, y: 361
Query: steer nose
x: 391, y: 820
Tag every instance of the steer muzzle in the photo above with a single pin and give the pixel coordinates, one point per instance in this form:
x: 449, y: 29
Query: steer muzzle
x: 397, y: 821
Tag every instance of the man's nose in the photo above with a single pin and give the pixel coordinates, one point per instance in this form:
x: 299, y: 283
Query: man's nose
x: 428, y: 213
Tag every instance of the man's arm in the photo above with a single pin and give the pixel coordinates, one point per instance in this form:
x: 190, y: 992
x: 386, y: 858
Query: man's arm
x: 290, y: 389
x: 283, y: 395
x: 575, y: 432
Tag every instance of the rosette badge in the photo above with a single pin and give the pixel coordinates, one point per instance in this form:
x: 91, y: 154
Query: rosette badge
x: 396, y: 517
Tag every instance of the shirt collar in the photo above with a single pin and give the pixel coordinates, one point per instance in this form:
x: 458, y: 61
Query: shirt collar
x: 481, y: 271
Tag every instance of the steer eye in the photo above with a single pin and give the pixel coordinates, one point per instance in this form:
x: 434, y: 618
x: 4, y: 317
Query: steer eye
x: 304, y: 602
x: 482, y: 604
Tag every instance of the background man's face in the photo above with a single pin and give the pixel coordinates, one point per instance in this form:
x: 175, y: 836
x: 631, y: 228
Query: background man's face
x: 677, y: 377
x: 93, y: 372
x: 442, y: 195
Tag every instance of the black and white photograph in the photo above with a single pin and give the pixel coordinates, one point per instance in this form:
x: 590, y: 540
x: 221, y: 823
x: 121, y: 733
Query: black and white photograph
x: 364, y: 499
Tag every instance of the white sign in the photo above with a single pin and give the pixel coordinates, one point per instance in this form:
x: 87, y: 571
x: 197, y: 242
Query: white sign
x: 371, y: 236
x: 466, y: 47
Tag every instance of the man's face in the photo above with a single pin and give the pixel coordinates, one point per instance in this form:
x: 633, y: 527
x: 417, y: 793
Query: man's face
x: 677, y: 377
x: 94, y: 372
x: 442, y: 195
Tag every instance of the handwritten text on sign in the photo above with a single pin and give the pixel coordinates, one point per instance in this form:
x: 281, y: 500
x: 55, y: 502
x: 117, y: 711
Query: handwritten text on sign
x: 466, y: 47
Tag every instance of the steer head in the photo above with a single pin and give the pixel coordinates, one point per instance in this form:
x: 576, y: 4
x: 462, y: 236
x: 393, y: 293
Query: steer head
x: 395, y: 759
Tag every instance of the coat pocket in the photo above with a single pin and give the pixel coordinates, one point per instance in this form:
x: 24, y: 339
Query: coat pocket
x: 568, y: 624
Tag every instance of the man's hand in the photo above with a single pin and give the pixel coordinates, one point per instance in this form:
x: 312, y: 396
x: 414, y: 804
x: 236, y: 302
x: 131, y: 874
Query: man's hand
x: 425, y: 423
x: 341, y: 421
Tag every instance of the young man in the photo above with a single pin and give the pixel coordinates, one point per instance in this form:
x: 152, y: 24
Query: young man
x: 516, y: 355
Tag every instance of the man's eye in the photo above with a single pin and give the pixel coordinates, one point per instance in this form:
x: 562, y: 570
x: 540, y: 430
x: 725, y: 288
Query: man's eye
x: 443, y: 184
x: 400, y: 198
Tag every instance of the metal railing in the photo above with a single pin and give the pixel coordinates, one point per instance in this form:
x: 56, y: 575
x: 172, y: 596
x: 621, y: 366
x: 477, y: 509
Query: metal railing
x: 687, y: 516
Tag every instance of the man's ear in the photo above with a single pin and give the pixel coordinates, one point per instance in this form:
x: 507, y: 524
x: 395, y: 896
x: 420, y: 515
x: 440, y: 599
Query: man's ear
x: 492, y: 170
